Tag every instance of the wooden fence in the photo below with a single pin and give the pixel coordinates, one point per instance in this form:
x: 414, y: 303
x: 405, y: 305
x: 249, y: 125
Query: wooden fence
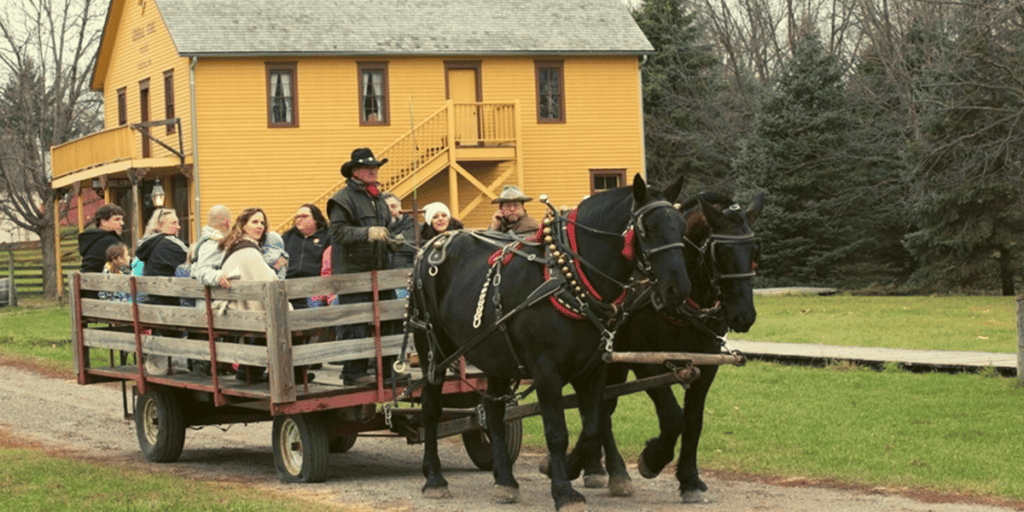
x: 23, y: 262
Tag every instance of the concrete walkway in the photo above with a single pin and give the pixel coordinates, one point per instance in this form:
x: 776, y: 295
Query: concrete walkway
x: 940, y: 360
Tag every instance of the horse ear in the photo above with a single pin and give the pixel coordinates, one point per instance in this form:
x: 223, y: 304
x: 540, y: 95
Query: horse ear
x: 673, y: 190
x: 754, y: 210
x: 639, y: 189
x: 714, y: 217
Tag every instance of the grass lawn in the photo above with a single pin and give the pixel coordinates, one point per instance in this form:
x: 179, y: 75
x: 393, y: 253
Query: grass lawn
x: 985, y: 324
x: 955, y: 433
x: 32, y: 480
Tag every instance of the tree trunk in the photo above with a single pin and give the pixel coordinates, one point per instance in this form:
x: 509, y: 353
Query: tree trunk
x: 1006, y: 271
x: 50, y: 249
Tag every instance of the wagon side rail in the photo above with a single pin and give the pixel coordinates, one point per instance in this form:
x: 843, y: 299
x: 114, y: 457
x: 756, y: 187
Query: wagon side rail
x: 120, y: 326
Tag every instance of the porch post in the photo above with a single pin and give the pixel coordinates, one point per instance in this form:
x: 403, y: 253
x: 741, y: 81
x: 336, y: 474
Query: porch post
x: 135, y: 176
x: 519, y: 144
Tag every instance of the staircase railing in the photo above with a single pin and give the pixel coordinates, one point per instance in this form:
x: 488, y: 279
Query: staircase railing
x: 468, y: 125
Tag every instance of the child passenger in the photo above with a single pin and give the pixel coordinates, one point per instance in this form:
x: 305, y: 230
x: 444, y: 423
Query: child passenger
x: 118, y: 261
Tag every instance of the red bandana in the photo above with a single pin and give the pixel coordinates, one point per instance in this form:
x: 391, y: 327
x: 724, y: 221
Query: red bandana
x: 372, y: 190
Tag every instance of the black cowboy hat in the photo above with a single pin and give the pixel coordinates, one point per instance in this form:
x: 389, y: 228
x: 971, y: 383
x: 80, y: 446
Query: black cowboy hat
x: 361, y: 157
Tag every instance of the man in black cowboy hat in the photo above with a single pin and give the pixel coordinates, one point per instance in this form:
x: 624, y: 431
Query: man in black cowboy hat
x: 359, y: 220
x: 511, y: 214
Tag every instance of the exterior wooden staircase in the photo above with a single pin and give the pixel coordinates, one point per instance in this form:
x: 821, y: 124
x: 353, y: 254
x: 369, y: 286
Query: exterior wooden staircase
x: 454, y: 133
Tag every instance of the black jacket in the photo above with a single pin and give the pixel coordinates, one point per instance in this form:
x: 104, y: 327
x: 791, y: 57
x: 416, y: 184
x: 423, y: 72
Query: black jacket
x: 305, y: 253
x: 92, y: 245
x: 352, y: 212
x: 404, y: 257
x: 162, y: 254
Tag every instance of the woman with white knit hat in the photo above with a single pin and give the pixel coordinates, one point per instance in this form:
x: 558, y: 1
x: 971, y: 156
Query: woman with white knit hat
x: 438, y: 219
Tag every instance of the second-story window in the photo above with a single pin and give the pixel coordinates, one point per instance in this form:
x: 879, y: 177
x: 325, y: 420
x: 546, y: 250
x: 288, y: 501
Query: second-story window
x: 606, y: 179
x: 169, y: 98
x: 550, y: 91
x: 282, y: 92
x: 373, y: 93
x: 122, y: 106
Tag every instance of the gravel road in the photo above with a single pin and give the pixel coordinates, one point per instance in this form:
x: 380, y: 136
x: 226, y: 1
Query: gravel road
x: 384, y: 473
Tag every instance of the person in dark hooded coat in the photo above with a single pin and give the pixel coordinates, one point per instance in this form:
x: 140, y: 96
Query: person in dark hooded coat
x: 93, y: 242
x: 161, y: 250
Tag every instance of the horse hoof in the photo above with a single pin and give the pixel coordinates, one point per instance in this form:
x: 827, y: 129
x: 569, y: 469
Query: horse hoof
x: 694, y: 496
x: 544, y: 466
x: 504, y: 494
x: 595, y: 481
x: 621, y: 487
x: 437, y: 493
x: 645, y: 471
x: 577, y: 506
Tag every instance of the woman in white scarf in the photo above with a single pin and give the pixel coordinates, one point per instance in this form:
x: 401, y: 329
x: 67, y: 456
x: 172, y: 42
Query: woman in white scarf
x: 243, y: 259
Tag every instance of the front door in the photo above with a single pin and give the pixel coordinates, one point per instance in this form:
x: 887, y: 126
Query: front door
x: 464, y: 91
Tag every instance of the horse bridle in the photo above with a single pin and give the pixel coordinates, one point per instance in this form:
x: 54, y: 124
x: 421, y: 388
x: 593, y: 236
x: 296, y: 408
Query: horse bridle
x: 645, y: 254
x: 636, y: 223
x: 709, y: 258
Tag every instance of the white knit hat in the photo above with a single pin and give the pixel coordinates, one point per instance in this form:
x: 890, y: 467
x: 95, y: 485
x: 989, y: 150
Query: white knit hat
x: 432, y: 209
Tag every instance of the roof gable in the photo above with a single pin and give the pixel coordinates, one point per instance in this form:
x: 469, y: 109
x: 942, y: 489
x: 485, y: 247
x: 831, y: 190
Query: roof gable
x: 401, y: 27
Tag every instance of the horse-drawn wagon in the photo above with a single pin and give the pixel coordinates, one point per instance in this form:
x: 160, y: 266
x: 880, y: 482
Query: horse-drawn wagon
x: 711, y: 247
x: 311, y: 419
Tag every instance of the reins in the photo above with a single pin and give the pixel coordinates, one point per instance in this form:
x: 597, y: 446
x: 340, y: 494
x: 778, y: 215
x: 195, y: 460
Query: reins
x: 561, y: 283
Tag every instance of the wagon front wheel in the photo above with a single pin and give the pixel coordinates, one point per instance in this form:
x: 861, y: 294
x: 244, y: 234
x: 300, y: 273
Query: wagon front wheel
x: 160, y: 426
x: 478, y: 444
x: 300, y: 448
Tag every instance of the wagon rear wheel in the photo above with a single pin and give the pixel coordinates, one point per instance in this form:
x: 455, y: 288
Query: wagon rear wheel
x: 478, y: 444
x: 300, y: 448
x: 159, y: 425
x: 343, y: 444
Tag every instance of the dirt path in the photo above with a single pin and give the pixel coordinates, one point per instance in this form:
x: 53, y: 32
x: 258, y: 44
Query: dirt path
x: 384, y: 473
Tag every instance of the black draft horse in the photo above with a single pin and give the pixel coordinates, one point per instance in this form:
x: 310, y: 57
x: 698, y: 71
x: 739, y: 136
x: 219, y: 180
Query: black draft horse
x: 508, y: 317
x: 721, y: 256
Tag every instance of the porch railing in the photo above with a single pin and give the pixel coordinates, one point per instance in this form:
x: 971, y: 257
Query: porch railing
x: 103, y: 147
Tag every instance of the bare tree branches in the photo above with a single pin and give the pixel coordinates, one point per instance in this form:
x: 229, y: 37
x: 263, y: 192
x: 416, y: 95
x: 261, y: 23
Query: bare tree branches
x: 47, y: 48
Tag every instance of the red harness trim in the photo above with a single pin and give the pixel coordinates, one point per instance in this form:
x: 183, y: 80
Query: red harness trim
x: 579, y: 267
x: 629, y: 247
x: 566, y: 312
x: 536, y: 237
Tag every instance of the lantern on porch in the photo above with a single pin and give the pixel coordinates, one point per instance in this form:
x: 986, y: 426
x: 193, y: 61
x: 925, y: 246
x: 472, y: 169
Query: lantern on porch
x: 158, y: 195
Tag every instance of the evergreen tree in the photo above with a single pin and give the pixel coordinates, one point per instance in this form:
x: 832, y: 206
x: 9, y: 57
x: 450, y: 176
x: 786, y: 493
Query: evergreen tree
x: 796, y: 155
x: 683, y: 97
x: 967, y: 185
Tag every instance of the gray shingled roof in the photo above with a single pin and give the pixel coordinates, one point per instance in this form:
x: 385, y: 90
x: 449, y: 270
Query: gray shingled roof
x: 401, y: 27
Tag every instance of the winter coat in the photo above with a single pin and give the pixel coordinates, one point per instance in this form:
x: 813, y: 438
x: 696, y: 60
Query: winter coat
x: 244, y: 261
x: 161, y: 254
x: 305, y: 252
x: 352, y: 212
x: 92, y: 245
x: 207, y: 257
x: 406, y: 227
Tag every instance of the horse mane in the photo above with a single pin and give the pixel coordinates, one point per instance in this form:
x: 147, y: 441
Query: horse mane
x: 710, y: 197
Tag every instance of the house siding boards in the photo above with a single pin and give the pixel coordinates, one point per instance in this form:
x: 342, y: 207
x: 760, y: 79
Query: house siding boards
x: 240, y: 155
x: 243, y: 162
x: 143, y: 49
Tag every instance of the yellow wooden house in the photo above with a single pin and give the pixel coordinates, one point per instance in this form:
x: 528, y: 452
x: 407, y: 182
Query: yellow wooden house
x: 244, y: 103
